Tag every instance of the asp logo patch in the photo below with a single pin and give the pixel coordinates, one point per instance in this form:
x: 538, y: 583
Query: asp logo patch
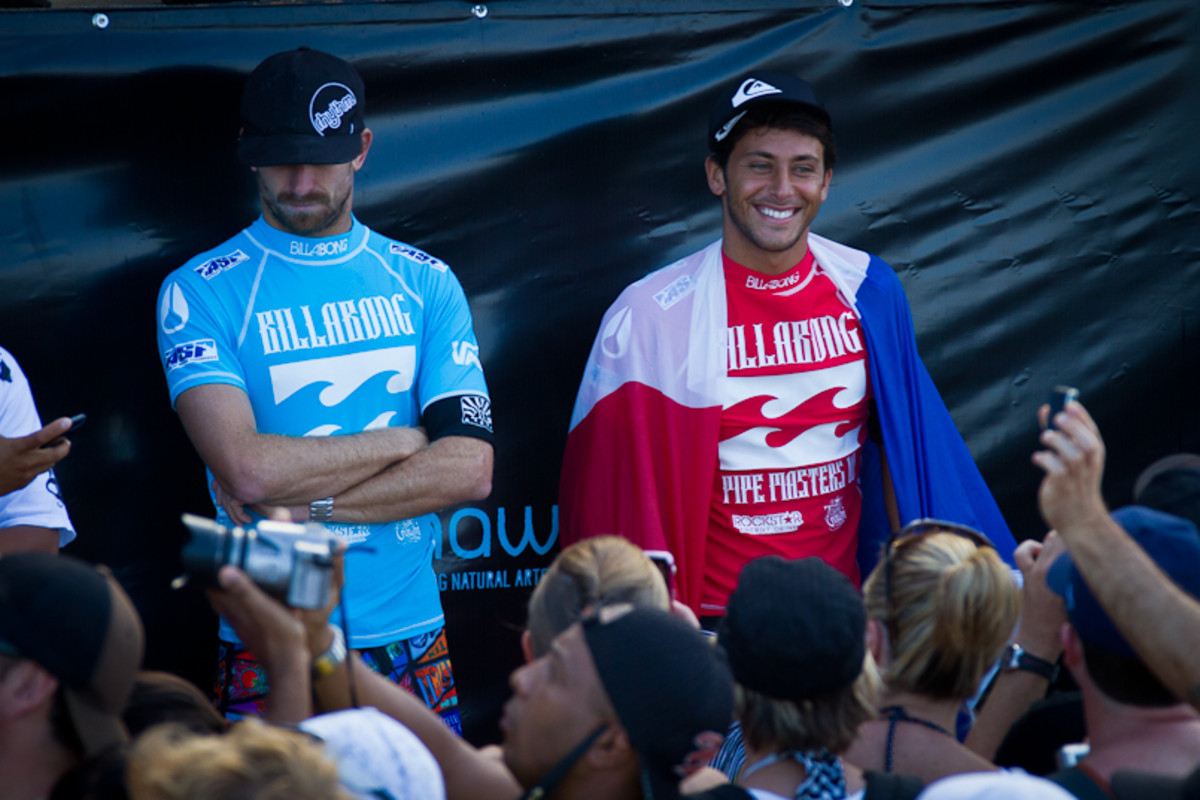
x: 420, y: 256
x: 195, y: 352
x: 215, y: 266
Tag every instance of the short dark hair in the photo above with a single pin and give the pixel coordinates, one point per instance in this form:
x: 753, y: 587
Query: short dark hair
x: 782, y: 116
x: 1124, y: 679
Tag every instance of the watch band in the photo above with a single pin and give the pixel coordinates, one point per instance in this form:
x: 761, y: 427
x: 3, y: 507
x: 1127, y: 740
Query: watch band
x: 1017, y: 658
x: 321, y: 510
x: 325, y: 664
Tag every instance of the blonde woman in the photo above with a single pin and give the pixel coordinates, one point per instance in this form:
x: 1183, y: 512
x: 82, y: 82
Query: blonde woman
x: 940, y: 606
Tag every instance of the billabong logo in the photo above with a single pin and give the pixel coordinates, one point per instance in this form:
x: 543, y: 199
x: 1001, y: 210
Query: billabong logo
x: 614, y: 340
x: 320, y: 249
x: 215, y: 266
x: 752, y: 88
x: 477, y: 411
x: 195, y: 352
x: 465, y: 354
x: 173, y: 313
x: 338, y: 101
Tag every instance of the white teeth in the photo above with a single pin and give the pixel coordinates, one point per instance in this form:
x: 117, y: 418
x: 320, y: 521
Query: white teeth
x: 773, y: 214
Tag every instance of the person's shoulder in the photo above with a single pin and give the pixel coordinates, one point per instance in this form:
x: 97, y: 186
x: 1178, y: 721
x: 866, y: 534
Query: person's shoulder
x: 665, y: 287
x: 216, y: 263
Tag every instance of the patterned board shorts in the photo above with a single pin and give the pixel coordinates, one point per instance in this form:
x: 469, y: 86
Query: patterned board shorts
x: 421, y: 665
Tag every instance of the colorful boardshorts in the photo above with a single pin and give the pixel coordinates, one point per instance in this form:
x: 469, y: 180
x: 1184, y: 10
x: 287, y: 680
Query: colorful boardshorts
x: 420, y: 665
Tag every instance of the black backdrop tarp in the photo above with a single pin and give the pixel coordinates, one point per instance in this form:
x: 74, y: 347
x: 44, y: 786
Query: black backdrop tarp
x: 1029, y: 169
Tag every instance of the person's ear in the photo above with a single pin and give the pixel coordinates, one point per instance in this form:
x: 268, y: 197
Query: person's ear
x: 611, y: 750
x: 25, y: 688
x: 716, y: 176
x: 877, y: 642
x: 358, y: 162
x: 527, y: 645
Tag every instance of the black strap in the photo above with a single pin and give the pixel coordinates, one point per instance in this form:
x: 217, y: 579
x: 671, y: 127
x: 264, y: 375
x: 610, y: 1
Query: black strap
x: 897, y: 714
x: 547, y: 785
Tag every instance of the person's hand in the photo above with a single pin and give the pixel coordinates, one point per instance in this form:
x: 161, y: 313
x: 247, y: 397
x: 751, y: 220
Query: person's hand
x: 1073, y: 460
x: 22, y: 458
x: 1042, y: 611
x: 235, y: 508
x: 274, y: 633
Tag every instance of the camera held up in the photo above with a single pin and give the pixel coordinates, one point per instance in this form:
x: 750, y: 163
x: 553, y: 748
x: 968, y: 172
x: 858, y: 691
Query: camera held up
x: 292, y: 562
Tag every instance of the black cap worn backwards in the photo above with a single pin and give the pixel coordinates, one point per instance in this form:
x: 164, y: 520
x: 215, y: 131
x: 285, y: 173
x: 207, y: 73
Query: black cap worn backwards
x: 793, y: 629
x: 302, y: 107
x: 758, y: 88
x: 75, y: 622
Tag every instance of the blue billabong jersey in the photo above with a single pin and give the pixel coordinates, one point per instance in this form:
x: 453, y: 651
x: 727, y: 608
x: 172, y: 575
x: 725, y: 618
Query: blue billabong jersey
x: 329, y: 337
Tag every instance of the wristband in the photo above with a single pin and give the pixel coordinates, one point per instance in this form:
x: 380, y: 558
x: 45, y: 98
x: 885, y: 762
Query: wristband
x: 321, y: 510
x: 1015, y: 658
x: 327, y: 663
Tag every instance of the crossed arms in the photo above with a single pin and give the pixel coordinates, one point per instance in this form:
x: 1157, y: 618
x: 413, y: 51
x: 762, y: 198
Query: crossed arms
x: 374, y: 476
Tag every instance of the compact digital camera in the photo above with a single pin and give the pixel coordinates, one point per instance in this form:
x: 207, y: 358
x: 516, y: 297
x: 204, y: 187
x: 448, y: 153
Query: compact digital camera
x: 290, y: 561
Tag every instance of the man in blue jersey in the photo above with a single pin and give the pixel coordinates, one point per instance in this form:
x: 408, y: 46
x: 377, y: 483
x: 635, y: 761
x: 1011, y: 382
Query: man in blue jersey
x: 322, y: 368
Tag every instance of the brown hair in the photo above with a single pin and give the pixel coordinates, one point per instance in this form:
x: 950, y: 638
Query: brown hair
x: 828, y: 721
x: 955, y: 604
x: 603, y: 570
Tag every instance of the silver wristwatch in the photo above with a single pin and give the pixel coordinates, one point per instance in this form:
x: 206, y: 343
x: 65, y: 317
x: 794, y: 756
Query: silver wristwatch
x: 321, y: 510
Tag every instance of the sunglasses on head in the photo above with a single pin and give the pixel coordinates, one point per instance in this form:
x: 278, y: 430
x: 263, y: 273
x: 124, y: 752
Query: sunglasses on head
x: 919, y: 527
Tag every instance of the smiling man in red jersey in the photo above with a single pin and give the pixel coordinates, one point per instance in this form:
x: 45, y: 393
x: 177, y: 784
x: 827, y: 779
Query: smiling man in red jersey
x: 739, y: 402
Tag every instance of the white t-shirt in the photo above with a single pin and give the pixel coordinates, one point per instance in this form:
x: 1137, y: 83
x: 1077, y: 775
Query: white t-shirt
x: 38, y: 504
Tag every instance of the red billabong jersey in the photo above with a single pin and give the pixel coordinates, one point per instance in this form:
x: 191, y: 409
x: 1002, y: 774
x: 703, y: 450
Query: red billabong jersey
x: 795, y: 406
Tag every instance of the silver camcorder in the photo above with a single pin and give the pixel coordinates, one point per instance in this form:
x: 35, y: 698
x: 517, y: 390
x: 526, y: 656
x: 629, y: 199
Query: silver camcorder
x: 292, y: 562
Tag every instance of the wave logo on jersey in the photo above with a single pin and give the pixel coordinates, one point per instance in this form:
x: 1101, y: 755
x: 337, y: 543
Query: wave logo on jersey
x: 477, y: 411
x: 195, y: 352
x: 420, y: 256
x: 337, y: 100
x: 215, y: 266
x: 614, y: 339
x: 173, y: 311
x: 823, y: 399
x: 465, y: 354
x: 341, y: 376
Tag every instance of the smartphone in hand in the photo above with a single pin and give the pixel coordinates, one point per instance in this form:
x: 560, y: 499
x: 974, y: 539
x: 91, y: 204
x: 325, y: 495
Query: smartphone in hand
x: 76, y: 423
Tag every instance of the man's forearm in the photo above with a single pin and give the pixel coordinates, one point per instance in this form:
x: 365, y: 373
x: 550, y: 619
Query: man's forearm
x: 283, y: 470
x: 1158, y: 619
x: 468, y: 774
x: 295, y: 470
x: 451, y: 470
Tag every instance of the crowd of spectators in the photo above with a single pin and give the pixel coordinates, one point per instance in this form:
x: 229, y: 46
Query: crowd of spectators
x: 915, y: 687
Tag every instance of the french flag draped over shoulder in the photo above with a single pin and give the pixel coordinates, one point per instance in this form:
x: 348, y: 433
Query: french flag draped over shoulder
x: 642, y: 447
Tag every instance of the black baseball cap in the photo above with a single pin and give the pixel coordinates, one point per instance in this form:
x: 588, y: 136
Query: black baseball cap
x: 75, y: 622
x: 794, y: 629
x: 669, y: 684
x: 302, y: 107
x: 759, y: 88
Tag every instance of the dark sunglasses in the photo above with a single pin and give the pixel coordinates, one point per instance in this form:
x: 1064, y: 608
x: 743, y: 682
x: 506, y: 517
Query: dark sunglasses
x: 919, y: 527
